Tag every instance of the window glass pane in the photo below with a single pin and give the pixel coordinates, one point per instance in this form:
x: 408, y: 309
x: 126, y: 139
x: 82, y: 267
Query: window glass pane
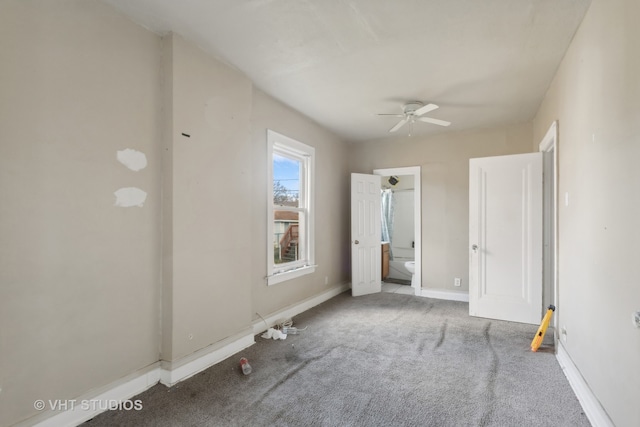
x: 286, y: 181
x: 286, y: 237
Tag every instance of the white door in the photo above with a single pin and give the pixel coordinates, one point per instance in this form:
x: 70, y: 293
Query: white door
x: 505, y: 237
x: 365, y: 234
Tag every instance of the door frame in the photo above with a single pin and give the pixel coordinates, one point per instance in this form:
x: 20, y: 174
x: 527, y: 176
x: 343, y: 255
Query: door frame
x: 417, y: 215
x: 549, y: 146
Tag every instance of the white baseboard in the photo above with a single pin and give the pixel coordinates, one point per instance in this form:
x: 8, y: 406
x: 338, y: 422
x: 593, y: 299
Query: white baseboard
x: 288, y: 313
x: 444, y: 294
x: 590, y: 404
x: 77, y: 411
x: 87, y: 406
x: 174, y: 372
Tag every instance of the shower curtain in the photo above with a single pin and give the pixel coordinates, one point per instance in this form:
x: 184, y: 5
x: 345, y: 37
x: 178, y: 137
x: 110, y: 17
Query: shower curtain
x: 387, y: 218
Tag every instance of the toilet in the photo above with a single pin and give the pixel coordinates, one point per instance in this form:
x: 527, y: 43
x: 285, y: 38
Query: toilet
x: 411, y: 268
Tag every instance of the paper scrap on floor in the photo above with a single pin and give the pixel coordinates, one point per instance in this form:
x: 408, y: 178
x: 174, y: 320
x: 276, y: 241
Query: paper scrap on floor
x: 275, y: 334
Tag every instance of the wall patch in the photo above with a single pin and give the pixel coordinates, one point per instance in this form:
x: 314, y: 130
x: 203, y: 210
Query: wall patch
x: 130, y: 196
x: 134, y: 160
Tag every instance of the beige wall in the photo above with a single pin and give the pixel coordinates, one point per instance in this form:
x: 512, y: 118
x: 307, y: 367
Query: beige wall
x: 444, y: 162
x: 91, y: 292
x: 331, y: 206
x: 595, y: 97
x: 208, y: 226
x: 79, y: 277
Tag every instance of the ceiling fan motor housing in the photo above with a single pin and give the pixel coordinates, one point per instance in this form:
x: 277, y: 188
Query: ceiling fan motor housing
x: 411, y: 107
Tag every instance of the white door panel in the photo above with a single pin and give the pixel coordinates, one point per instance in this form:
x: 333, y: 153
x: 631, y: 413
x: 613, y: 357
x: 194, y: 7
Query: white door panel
x: 505, y: 235
x: 365, y: 234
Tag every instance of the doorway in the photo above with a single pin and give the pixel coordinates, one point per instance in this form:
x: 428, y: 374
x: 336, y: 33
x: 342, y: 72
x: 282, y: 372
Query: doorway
x: 410, y: 174
x: 548, y: 146
x: 538, y: 287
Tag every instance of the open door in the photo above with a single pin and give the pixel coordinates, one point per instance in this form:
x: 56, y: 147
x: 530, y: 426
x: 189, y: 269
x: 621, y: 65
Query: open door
x: 505, y: 237
x: 365, y: 234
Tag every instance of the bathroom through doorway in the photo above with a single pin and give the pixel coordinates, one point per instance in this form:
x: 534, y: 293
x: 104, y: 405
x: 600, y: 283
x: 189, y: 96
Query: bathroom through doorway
x: 405, y: 242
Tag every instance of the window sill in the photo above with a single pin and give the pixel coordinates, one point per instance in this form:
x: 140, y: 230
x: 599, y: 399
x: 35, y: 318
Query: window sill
x: 291, y: 274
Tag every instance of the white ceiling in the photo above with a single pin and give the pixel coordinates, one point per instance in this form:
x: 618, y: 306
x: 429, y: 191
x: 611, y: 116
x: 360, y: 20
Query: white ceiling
x: 341, y: 62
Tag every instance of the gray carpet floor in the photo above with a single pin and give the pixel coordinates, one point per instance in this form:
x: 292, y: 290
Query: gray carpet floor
x: 376, y: 360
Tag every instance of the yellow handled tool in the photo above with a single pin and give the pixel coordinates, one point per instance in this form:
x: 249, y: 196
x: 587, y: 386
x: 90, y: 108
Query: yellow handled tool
x: 537, y: 340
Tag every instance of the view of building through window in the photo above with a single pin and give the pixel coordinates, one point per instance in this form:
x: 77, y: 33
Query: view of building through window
x: 286, y: 193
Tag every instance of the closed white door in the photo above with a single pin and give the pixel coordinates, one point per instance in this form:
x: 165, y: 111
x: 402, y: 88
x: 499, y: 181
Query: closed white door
x: 505, y: 237
x: 365, y: 234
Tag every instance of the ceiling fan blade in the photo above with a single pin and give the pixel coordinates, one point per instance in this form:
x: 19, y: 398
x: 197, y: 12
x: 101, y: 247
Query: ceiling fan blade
x: 399, y: 124
x: 434, y: 121
x: 425, y: 109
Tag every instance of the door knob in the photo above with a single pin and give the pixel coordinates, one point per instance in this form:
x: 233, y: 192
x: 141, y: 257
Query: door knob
x: 474, y: 248
x: 356, y: 242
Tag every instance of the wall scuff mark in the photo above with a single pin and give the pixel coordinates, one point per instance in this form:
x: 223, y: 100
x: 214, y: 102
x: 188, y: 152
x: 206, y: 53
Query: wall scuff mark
x: 134, y: 160
x: 130, y: 196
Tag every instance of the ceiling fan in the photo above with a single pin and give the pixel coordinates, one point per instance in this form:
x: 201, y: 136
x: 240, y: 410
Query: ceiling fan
x: 412, y: 111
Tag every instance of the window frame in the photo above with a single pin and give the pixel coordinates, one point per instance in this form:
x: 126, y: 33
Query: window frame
x: 289, y: 147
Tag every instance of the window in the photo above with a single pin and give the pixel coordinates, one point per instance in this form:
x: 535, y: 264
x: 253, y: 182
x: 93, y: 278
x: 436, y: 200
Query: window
x: 290, y: 224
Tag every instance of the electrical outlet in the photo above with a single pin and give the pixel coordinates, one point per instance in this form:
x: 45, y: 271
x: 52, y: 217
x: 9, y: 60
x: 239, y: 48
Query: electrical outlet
x: 457, y: 282
x: 635, y: 319
x: 326, y: 280
x: 563, y: 334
